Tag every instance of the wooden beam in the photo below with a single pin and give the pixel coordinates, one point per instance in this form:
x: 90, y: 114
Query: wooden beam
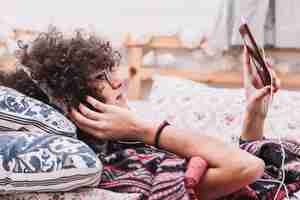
x: 8, y: 63
x: 135, y: 57
x: 159, y: 42
x: 224, y: 79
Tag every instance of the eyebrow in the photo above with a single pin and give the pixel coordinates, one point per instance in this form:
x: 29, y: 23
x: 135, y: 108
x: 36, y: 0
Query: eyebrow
x: 96, y: 74
x: 106, y: 76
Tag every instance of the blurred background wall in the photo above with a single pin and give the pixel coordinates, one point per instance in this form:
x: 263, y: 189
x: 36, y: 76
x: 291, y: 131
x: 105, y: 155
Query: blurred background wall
x: 112, y: 17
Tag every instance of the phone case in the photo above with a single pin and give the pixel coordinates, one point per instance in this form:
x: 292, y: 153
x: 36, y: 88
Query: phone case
x: 255, y: 54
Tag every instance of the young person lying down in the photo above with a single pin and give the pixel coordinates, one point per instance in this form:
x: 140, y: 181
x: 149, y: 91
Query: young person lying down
x: 79, y: 76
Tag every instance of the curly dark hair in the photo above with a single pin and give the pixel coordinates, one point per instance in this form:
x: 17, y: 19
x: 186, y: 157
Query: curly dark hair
x: 21, y: 82
x: 64, y: 64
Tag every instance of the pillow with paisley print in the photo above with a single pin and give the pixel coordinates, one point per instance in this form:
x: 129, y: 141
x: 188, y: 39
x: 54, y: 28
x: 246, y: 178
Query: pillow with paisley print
x: 20, y: 112
x: 42, y: 162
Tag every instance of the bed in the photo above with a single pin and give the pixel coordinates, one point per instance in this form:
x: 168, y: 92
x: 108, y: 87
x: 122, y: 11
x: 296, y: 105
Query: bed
x: 211, y: 110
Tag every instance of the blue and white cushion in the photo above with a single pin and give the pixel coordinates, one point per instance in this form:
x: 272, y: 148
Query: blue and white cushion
x: 41, y: 162
x: 20, y: 112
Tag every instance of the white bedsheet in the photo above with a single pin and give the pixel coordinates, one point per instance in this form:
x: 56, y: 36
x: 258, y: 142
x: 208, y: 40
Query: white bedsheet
x: 216, y: 111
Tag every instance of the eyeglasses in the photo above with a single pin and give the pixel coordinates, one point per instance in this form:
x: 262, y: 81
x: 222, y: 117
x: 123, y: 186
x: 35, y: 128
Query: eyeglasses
x: 107, y: 76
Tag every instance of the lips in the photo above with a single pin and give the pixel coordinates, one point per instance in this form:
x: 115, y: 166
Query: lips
x: 121, y: 101
x: 119, y: 97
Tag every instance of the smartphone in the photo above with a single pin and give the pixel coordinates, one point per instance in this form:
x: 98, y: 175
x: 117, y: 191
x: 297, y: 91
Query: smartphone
x: 255, y: 54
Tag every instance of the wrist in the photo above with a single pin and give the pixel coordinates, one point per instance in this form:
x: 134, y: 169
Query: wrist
x: 255, y: 117
x: 147, y: 131
x: 253, y: 124
x: 158, y: 133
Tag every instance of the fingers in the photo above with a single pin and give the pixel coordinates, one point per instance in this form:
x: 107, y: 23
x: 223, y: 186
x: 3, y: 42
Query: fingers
x: 246, y: 61
x: 91, y: 131
x: 275, y: 80
x: 262, y: 93
x: 89, y: 121
x: 256, y: 81
x: 97, y: 104
x: 83, y: 121
x: 250, y: 74
x: 89, y: 113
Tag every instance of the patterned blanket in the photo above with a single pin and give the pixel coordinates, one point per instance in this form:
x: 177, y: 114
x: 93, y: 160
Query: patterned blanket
x: 158, y: 174
x: 271, y: 152
x: 149, y: 173
x: 138, y: 168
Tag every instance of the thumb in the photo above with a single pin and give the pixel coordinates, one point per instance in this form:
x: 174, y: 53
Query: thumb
x: 250, y: 75
x: 275, y: 80
x: 263, y: 92
x: 97, y: 104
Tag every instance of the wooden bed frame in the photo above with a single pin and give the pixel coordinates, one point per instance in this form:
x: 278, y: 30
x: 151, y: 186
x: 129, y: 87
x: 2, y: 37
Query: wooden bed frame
x: 137, y: 73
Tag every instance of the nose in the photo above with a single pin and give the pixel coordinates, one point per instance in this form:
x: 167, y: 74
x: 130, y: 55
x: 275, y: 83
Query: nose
x: 116, y: 82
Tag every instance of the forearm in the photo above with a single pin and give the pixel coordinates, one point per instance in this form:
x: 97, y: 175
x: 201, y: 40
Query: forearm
x: 229, y: 168
x: 219, y: 182
x: 189, y: 143
x: 253, y: 127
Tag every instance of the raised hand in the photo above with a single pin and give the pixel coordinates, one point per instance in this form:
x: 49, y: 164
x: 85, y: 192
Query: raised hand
x: 108, y: 122
x: 257, y: 94
x: 258, y: 99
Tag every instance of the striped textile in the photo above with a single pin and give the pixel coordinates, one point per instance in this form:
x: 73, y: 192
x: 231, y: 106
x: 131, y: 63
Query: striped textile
x: 138, y: 168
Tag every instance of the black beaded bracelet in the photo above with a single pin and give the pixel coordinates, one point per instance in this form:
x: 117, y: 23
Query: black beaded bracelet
x: 161, y: 127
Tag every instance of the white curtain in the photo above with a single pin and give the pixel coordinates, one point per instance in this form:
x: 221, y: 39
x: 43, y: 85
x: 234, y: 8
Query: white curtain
x: 259, y: 15
x: 287, y: 23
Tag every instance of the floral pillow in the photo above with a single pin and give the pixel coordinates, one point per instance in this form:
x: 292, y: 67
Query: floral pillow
x: 20, y: 112
x: 41, y: 162
x: 217, y: 111
x: 82, y: 194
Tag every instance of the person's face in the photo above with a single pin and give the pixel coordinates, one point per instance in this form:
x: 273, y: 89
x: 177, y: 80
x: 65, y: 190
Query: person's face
x: 109, y: 84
